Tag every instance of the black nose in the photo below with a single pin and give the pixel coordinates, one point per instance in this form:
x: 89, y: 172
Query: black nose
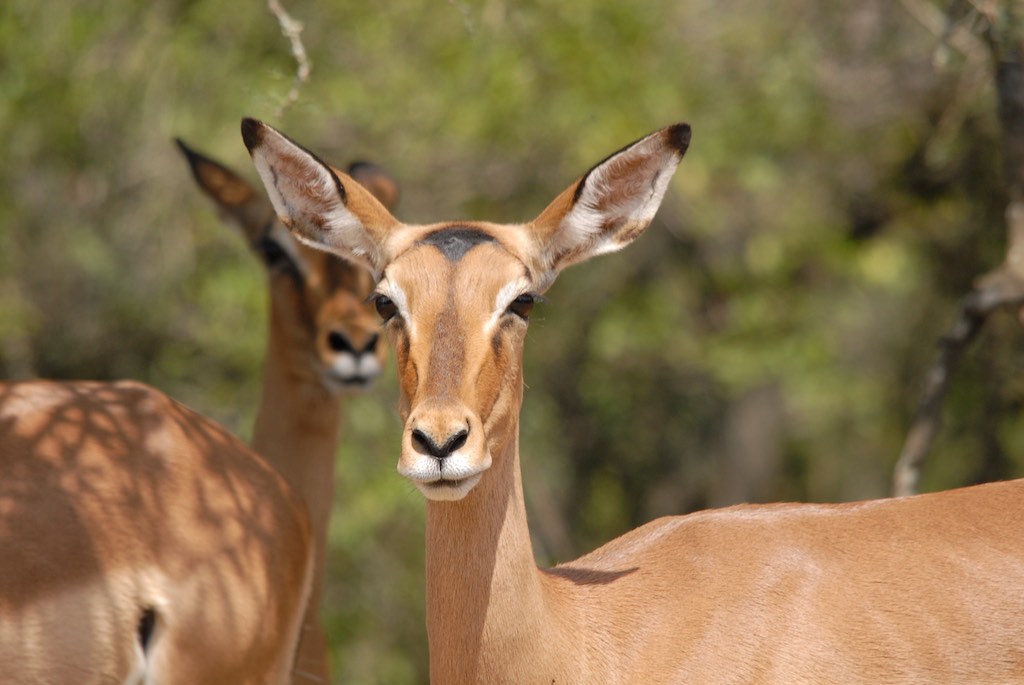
x: 371, y: 344
x: 338, y: 342
x: 427, y: 444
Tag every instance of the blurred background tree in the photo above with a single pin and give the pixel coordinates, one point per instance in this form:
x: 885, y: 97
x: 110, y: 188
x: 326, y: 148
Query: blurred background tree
x: 765, y: 340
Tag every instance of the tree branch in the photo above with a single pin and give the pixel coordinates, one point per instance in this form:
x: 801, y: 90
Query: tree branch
x: 292, y: 30
x: 1000, y: 291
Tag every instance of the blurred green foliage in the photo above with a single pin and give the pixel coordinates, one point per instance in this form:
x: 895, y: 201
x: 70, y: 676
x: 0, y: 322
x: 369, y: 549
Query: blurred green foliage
x: 765, y: 340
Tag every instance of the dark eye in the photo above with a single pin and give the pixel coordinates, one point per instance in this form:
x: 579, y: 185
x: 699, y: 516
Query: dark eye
x: 385, y: 307
x: 522, y: 305
x: 276, y: 257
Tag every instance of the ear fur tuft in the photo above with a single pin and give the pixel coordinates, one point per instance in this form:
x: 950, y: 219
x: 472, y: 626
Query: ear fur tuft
x: 679, y: 137
x: 252, y: 132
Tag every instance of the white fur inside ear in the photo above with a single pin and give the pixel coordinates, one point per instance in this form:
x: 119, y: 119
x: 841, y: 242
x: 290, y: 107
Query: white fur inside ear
x: 310, y: 199
x: 617, y: 201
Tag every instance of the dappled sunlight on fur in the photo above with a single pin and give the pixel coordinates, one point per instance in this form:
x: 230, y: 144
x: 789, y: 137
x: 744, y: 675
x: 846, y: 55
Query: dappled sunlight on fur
x: 117, y: 501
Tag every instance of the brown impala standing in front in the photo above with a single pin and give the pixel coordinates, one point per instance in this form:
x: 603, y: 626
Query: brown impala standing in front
x: 926, y: 589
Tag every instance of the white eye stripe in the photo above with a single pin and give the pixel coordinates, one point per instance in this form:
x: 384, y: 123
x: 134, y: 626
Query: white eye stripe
x: 508, y: 293
x: 395, y: 293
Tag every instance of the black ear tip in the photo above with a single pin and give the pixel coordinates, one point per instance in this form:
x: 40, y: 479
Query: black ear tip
x: 361, y: 166
x: 679, y: 136
x: 252, y: 132
x: 191, y: 155
x: 195, y: 160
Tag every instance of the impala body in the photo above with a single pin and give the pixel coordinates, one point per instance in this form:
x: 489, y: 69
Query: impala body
x: 927, y: 589
x: 323, y: 344
x: 142, y: 543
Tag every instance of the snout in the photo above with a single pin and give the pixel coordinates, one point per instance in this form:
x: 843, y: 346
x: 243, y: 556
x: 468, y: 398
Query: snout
x: 352, y: 366
x: 443, y: 450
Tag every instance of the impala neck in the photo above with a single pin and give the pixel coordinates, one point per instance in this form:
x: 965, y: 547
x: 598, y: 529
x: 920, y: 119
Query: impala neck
x: 485, y: 599
x: 296, y: 430
x: 297, y: 426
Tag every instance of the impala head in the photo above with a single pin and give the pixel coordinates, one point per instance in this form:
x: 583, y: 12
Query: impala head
x: 333, y: 332
x: 455, y: 297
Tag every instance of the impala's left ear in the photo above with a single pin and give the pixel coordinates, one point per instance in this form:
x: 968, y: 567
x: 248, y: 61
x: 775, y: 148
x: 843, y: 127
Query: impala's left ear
x: 233, y: 195
x: 612, y: 204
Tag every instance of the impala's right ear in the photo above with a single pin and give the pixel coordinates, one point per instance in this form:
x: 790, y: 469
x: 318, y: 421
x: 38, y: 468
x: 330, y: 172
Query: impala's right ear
x: 324, y: 207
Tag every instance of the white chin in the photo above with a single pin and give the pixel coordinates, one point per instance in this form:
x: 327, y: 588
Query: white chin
x: 341, y: 385
x: 448, y: 490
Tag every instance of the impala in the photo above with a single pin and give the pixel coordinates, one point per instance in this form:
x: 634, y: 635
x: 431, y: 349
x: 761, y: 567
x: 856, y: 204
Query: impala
x: 918, y: 590
x: 142, y: 544
x: 323, y: 343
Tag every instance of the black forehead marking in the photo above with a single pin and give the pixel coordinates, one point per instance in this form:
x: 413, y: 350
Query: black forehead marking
x: 456, y: 241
